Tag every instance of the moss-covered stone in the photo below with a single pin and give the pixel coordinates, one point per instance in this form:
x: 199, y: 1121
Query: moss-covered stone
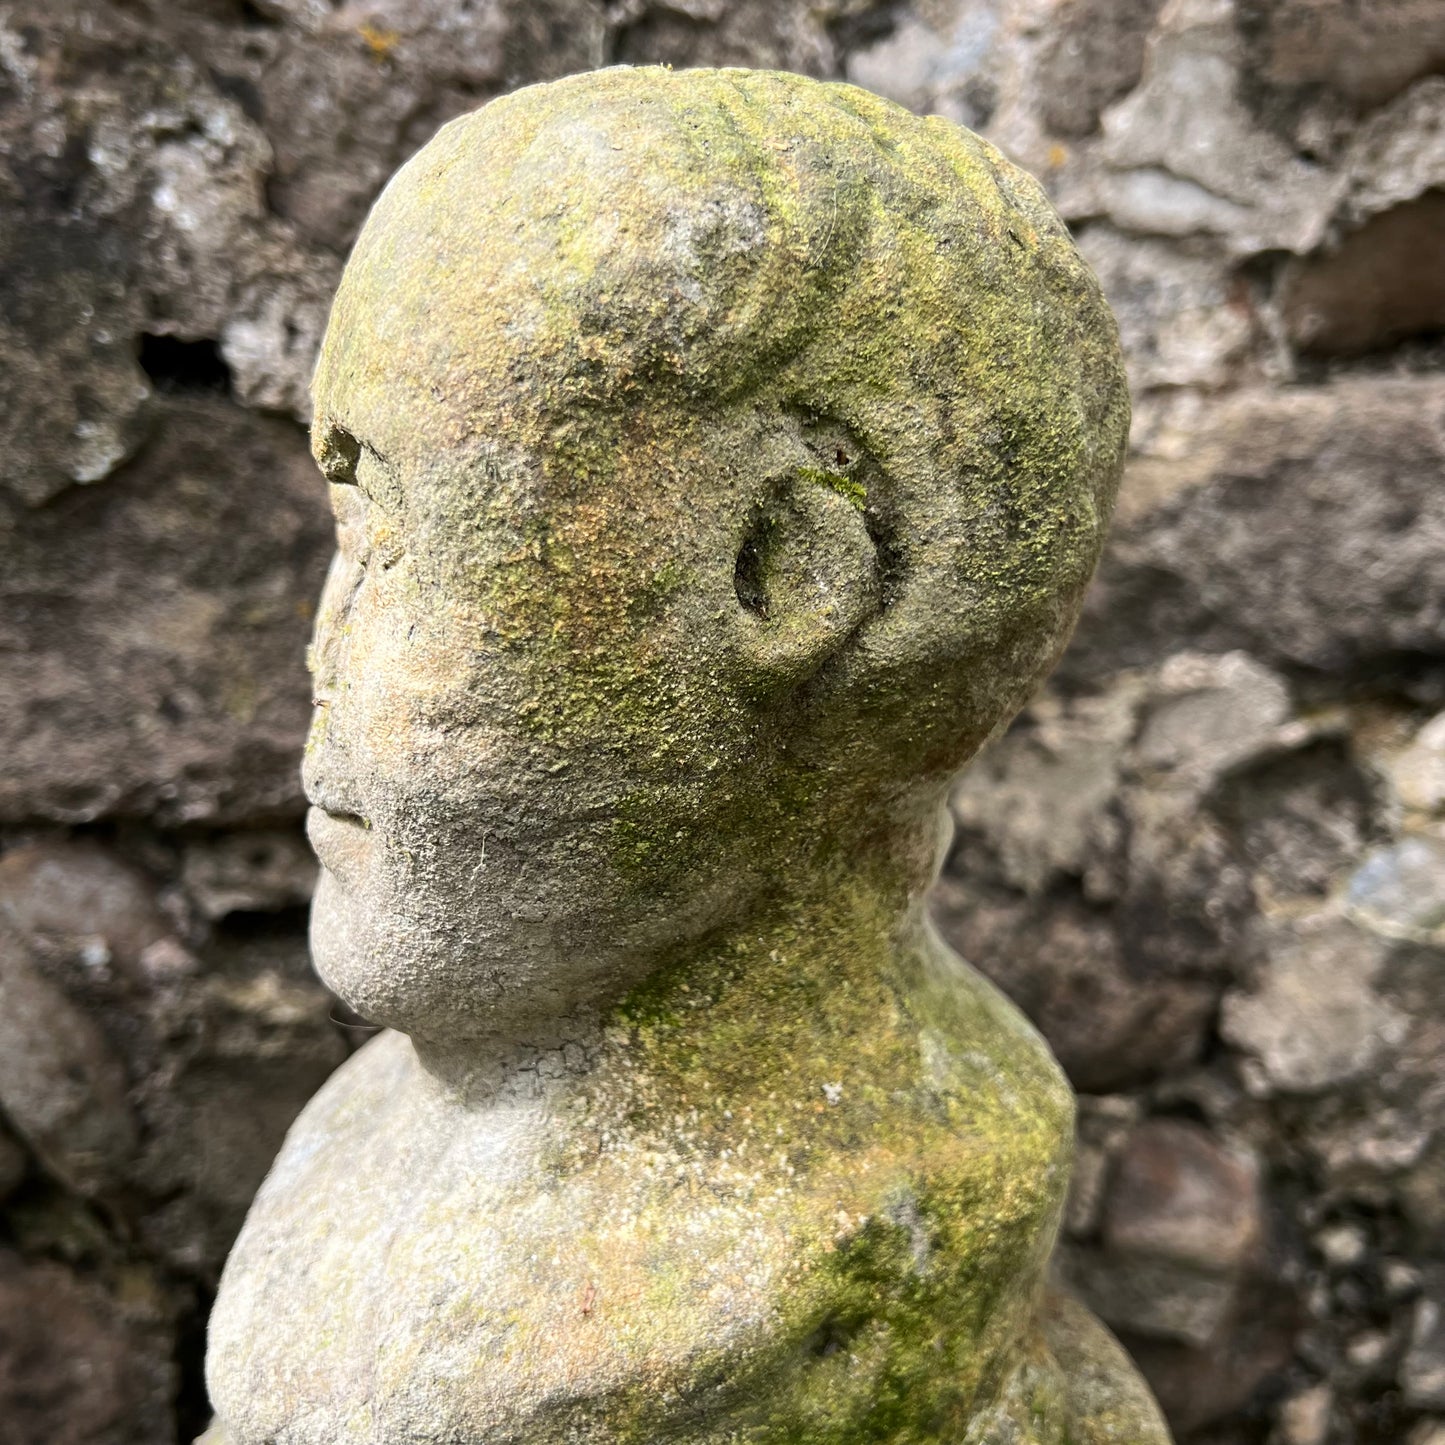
x: 718, y: 458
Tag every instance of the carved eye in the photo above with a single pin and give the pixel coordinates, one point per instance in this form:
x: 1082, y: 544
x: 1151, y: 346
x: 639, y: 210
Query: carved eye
x: 337, y: 453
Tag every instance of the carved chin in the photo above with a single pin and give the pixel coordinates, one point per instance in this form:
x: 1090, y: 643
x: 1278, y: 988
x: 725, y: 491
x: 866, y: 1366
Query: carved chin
x: 370, y: 958
x: 334, y: 952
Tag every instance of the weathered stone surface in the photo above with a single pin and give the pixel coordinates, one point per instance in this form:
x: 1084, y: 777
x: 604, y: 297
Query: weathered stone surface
x: 938, y: 61
x: 1118, y: 809
x: 1041, y: 798
x: 78, y: 898
x: 1315, y: 1019
x: 1185, y: 152
x: 1396, y: 157
x: 136, y: 207
x: 1177, y: 1195
x: 1417, y: 770
x: 739, y: 32
x: 346, y: 93
x: 1366, y: 53
x: 1093, y: 55
x: 1109, y: 1025
x: 1109, y: 1401
x: 1200, y: 1387
x: 1181, y: 1226
x: 1422, y: 1194
x: 1184, y: 319
x: 235, y: 1052
x: 61, y: 1084
x: 1304, y: 1418
x: 598, y: 803
x: 79, y: 1364
x: 158, y: 1081
x: 1399, y: 891
x: 1301, y: 817
x: 1156, y: 1298
x: 1380, y: 284
x: 1422, y: 1373
x: 14, y: 1164
x: 256, y: 871
x: 1303, y: 526
x: 150, y: 657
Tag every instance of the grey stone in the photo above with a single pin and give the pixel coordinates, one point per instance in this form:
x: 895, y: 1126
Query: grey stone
x: 1315, y: 1019
x: 1110, y: 1025
x: 1417, y: 772
x: 1157, y: 1297
x: 1422, y: 1193
x: 1182, y: 318
x: 1094, y: 54
x: 1188, y: 121
x: 1399, y: 891
x: 107, y: 108
x: 349, y: 94
x: 80, y: 1364
x: 1176, y: 1193
x: 137, y: 1071
x: 1422, y: 1372
x: 81, y: 900
x: 1084, y: 1208
x: 1396, y: 157
x: 1207, y: 715
x: 1300, y: 816
x: 938, y: 62
x: 742, y: 32
x: 61, y: 1084
x: 153, y: 629
x: 14, y: 1164
x: 1304, y: 1418
x: 1302, y: 527
x: 1204, y: 1387
x: 1342, y: 1245
x: 1366, y: 53
x: 1041, y: 797
x: 72, y: 398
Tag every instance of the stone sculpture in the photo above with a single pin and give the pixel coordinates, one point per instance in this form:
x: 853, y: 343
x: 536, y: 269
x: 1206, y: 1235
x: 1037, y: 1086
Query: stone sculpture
x: 718, y: 458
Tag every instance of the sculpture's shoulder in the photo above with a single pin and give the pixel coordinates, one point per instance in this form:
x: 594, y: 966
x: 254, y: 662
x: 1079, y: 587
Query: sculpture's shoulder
x: 773, y: 1231
x: 380, y: 1211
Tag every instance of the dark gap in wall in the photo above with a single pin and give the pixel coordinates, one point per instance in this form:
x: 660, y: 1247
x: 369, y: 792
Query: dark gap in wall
x: 193, y: 1408
x: 244, y: 92
x: 864, y: 28
x: 177, y: 366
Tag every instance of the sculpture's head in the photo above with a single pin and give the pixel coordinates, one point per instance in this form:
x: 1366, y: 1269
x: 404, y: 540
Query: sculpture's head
x: 719, y: 457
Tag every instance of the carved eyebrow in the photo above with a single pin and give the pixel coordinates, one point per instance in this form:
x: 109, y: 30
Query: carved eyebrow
x: 337, y: 453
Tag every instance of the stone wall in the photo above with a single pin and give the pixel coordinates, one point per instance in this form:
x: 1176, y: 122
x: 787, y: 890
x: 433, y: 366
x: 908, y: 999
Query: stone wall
x: 1209, y: 861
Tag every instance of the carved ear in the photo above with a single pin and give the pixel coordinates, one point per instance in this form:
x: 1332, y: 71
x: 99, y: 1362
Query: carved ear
x: 807, y: 576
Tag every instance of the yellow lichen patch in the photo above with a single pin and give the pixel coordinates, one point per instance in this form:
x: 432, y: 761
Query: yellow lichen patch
x: 379, y: 41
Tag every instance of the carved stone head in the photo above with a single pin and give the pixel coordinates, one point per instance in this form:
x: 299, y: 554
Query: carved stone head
x: 718, y: 458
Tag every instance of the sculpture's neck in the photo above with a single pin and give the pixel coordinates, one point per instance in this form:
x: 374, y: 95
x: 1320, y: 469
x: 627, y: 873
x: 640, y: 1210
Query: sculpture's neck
x: 835, y: 934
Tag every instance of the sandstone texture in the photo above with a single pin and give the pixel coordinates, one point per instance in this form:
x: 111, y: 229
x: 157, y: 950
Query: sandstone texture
x: 1258, y: 186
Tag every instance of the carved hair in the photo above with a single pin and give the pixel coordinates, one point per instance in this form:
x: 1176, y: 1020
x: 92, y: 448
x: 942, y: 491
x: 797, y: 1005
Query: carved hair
x: 889, y: 287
